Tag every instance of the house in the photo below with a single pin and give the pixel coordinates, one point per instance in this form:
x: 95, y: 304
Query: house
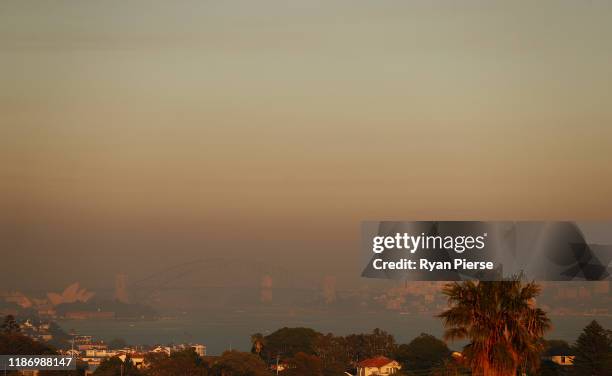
x: 379, y: 366
x: 100, y: 353
x: 562, y: 360
x: 199, y: 349
x: 71, y: 353
x: 560, y: 353
x: 279, y: 367
x: 162, y: 349
x: 136, y: 358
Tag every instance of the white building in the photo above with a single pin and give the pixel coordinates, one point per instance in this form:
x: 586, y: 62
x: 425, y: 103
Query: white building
x: 136, y: 358
x: 199, y: 349
x: 100, y: 353
x: 162, y: 349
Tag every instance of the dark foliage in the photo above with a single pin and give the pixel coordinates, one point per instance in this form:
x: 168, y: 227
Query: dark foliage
x: 593, y: 351
x: 423, y: 353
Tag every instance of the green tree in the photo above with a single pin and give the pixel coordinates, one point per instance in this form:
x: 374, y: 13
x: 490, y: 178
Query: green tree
x: 10, y: 325
x: 554, y: 347
x: 334, y: 368
x: 12, y: 343
x: 109, y: 367
x: 450, y: 366
x: 557, y: 347
x: 289, y: 341
x: 367, y: 345
x: 184, y: 363
x: 116, y: 367
x: 304, y: 365
x: 422, y: 354
x: 257, y: 343
x: 129, y: 368
x: 501, y: 322
x: 19, y: 344
x: 593, y: 351
x: 550, y: 368
x: 333, y: 352
x: 61, y: 339
x: 235, y: 363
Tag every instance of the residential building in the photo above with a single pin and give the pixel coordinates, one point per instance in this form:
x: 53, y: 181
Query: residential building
x: 199, y: 349
x: 160, y: 349
x: 379, y: 366
x: 563, y: 360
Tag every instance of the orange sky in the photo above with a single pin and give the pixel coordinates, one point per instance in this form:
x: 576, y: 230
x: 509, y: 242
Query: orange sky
x: 283, y: 124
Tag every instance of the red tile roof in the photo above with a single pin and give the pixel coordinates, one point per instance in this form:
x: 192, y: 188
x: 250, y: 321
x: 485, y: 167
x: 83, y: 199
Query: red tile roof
x: 378, y: 362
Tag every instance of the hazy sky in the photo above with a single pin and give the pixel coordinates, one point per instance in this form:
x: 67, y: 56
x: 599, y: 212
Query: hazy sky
x: 134, y: 134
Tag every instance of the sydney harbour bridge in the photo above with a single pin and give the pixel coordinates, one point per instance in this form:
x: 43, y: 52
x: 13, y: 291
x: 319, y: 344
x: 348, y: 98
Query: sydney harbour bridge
x: 261, y: 281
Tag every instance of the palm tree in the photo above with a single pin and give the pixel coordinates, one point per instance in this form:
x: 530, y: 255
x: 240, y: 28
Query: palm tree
x: 500, y: 320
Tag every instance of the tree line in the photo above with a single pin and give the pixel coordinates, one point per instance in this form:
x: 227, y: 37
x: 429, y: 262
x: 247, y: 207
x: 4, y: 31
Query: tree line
x: 499, y: 320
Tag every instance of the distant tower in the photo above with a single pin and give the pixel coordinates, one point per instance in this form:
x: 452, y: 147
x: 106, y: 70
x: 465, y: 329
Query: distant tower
x: 329, y: 289
x: 121, y: 292
x: 266, y: 289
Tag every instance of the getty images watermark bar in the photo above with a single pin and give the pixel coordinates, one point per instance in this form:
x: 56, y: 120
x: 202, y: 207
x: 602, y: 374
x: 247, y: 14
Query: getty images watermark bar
x: 487, y: 251
x: 37, y: 362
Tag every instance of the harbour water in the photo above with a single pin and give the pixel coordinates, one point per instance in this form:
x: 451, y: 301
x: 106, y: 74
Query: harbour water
x: 222, y: 331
